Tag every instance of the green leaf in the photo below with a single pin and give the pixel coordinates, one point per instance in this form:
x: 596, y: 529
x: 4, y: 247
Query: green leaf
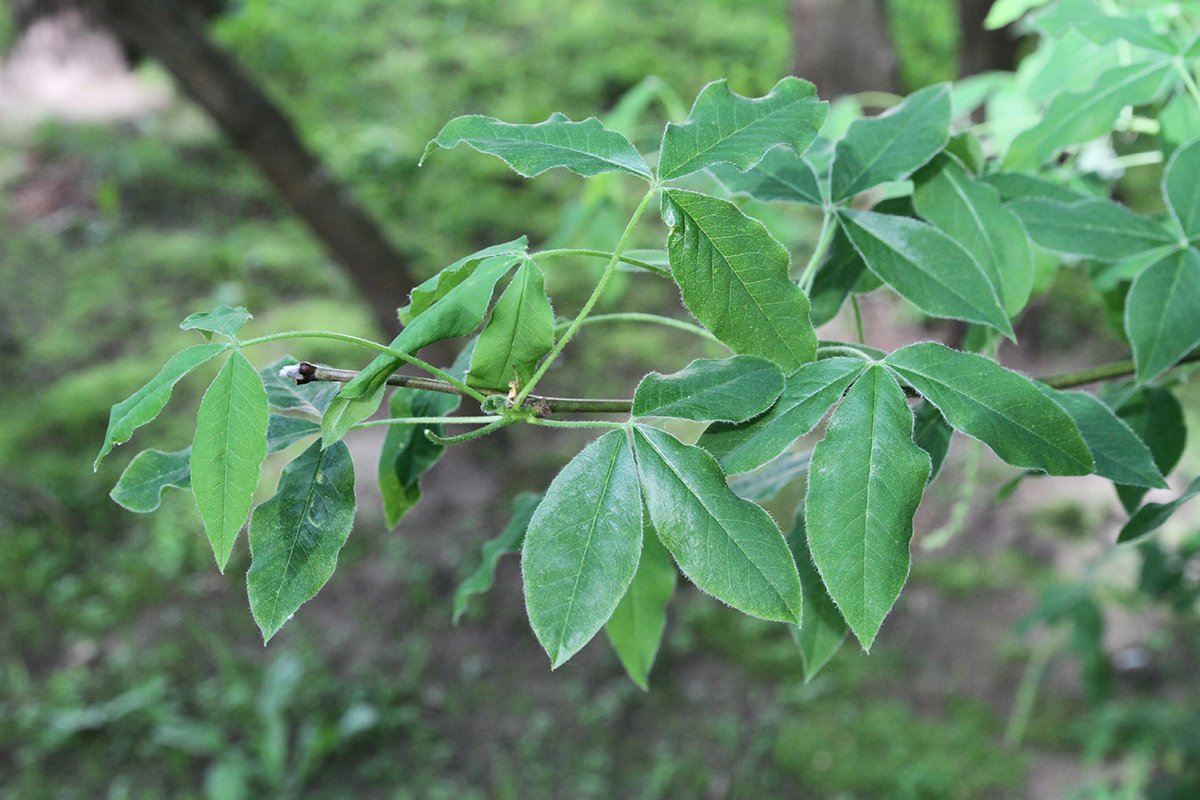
x: 836, y: 279
x: 726, y: 128
x: 519, y: 334
x: 296, y: 535
x: 781, y: 175
x: 1094, y: 227
x: 1119, y: 454
x: 1154, y: 414
x: 1014, y: 185
x: 586, y: 148
x: 145, y: 404
x: 734, y: 277
x: 456, y: 313
x: 932, y: 434
x: 1003, y: 409
x: 147, y: 477
x: 1004, y: 12
x: 971, y: 213
x: 892, y: 145
x: 636, y: 625
x: 582, y: 547
x: 439, y: 285
x: 222, y: 319
x: 808, y: 394
x: 229, y: 447
x: 1153, y: 516
x: 1075, y: 117
x: 287, y: 395
x: 1162, y: 313
x: 764, y: 483
x: 731, y: 389
x: 407, y: 452
x: 284, y: 431
x: 864, y: 485
x: 925, y: 267
x: 824, y: 629
x: 1089, y: 18
x: 1182, y: 190
x: 727, y: 546
x: 509, y: 541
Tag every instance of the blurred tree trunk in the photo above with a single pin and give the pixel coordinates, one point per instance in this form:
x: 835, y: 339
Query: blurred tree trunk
x: 173, y: 33
x: 843, y: 46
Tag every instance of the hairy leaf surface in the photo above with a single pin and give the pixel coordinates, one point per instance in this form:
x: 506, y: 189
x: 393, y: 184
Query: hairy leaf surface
x: 781, y: 175
x: 925, y: 267
x: 1093, y: 227
x: 227, y: 451
x: 295, y: 536
x: 519, y: 334
x: 1162, y: 312
x: 636, y: 626
x: 727, y: 546
x: 586, y: 148
x: 730, y: 389
x: 726, y: 128
x: 808, y: 394
x: 864, y: 485
x: 582, y: 546
x: 148, y: 476
x: 1003, y: 409
x: 1119, y: 454
x: 892, y: 145
x: 733, y: 276
x: 824, y: 629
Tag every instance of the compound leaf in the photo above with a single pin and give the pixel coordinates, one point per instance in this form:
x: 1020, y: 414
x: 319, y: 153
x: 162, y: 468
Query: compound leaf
x: 148, y: 475
x: 227, y: 451
x: 407, y: 452
x: 808, y: 394
x: 636, y: 626
x: 295, y: 536
x: 1119, y: 454
x: 438, y: 286
x: 284, y: 431
x: 1003, y: 409
x: 586, y: 148
x: 1182, y: 190
x: 824, y: 629
x: 145, y: 404
x: 1162, y: 312
x: 727, y: 546
x: 1154, y: 414
x: 892, y: 145
x: 287, y: 395
x: 1153, y: 516
x: 864, y: 485
x: 731, y: 389
x: 582, y: 546
x: 726, y: 128
x: 1093, y: 227
x: 925, y: 267
x: 222, y: 319
x: 733, y: 276
x: 781, y: 175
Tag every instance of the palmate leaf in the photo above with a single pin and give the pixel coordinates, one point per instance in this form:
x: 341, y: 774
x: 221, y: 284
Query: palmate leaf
x: 296, y: 535
x: 1093, y: 227
x: 582, y: 546
x: 892, y: 145
x: 781, y: 175
x: 864, y: 486
x: 726, y: 546
x: 636, y: 626
x: 808, y: 394
x: 519, y: 334
x: 726, y: 128
x: 1003, y: 409
x: 734, y: 278
x: 439, y: 285
x: 146, y: 403
x: 971, y: 213
x: 509, y: 541
x: 925, y: 267
x: 456, y: 313
x: 586, y: 148
x: 1119, y: 454
x: 148, y: 475
x: 824, y: 629
x: 1075, y: 117
x: 731, y: 389
x: 1162, y: 313
x: 1182, y: 189
x: 222, y: 319
x: 227, y: 451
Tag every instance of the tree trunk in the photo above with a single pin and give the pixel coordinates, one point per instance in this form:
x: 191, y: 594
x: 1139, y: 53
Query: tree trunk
x: 843, y: 47
x: 175, y: 36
